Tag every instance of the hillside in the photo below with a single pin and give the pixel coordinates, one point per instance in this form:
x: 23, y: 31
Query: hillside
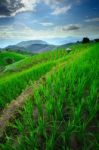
x: 50, y: 101
x: 7, y: 58
x: 25, y: 71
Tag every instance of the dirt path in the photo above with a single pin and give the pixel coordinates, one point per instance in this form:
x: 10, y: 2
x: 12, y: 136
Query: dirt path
x: 13, y: 107
x: 10, y: 111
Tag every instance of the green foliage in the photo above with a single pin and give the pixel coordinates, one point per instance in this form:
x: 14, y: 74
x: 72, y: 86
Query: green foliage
x: 12, y: 86
x: 63, y: 114
x: 85, y: 40
x: 11, y: 56
x: 35, y: 60
x: 30, y: 69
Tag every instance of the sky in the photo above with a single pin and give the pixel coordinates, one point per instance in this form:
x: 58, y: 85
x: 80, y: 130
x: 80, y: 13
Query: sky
x: 22, y: 20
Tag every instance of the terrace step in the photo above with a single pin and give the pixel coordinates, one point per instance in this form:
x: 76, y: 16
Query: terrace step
x: 12, y: 108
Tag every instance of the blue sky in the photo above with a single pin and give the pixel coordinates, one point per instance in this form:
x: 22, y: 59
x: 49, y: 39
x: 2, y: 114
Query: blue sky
x: 46, y: 19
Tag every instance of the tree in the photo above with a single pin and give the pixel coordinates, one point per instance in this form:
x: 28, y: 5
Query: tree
x: 85, y: 40
x: 8, y: 61
x: 96, y: 40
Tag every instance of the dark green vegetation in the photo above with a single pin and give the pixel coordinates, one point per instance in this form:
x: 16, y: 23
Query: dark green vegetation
x: 85, y: 40
x: 7, y: 58
x: 64, y: 111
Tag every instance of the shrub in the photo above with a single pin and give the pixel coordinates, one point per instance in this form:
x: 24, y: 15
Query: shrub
x: 8, y: 61
x: 85, y: 40
x: 96, y: 40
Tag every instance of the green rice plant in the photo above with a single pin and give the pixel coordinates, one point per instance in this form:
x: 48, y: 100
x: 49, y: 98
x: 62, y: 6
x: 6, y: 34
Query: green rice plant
x: 66, y: 100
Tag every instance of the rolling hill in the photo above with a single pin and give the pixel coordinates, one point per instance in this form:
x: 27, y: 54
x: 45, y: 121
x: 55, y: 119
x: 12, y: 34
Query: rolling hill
x: 51, y: 101
x: 7, y: 58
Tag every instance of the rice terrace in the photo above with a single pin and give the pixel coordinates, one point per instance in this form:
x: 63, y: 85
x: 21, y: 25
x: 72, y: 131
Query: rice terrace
x: 49, y: 75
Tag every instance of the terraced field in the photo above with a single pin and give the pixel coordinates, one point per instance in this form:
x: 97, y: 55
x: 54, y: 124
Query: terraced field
x: 7, y: 58
x: 50, y: 101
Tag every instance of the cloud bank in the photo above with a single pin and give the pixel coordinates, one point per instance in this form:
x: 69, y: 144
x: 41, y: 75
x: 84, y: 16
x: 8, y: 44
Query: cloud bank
x: 12, y: 7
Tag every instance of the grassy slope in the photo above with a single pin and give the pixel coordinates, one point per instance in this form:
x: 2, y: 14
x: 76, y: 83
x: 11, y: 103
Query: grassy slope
x: 12, y: 83
x: 35, y: 60
x: 27, y: 63
x: 65, y: 108
x: 12, y: 55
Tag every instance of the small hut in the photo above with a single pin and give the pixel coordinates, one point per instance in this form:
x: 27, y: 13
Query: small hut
x: 68, y: 49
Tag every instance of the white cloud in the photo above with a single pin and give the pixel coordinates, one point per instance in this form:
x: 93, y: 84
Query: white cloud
x: 72, y: 30
x: 18, y: 6
x: 46, y: 24
x: 61, y: 10
x: 92, y: 20
x: 29, y: 5
x: 3, y: 16
x: 57, y: 6
x: 23, y: 32
x: 52, y: 3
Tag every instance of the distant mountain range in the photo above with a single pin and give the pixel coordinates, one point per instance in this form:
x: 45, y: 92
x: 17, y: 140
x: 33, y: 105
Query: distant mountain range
x: 63, y: 40
x: 33, y: 46
x: 31, y: 42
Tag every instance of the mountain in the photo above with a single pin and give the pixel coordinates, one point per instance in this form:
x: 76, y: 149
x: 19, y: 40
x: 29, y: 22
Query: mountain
x: 63, y: 40
x: 66, y: 45
x: 31, y: 42
x: 34, y: 46
x: 37, y: 46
